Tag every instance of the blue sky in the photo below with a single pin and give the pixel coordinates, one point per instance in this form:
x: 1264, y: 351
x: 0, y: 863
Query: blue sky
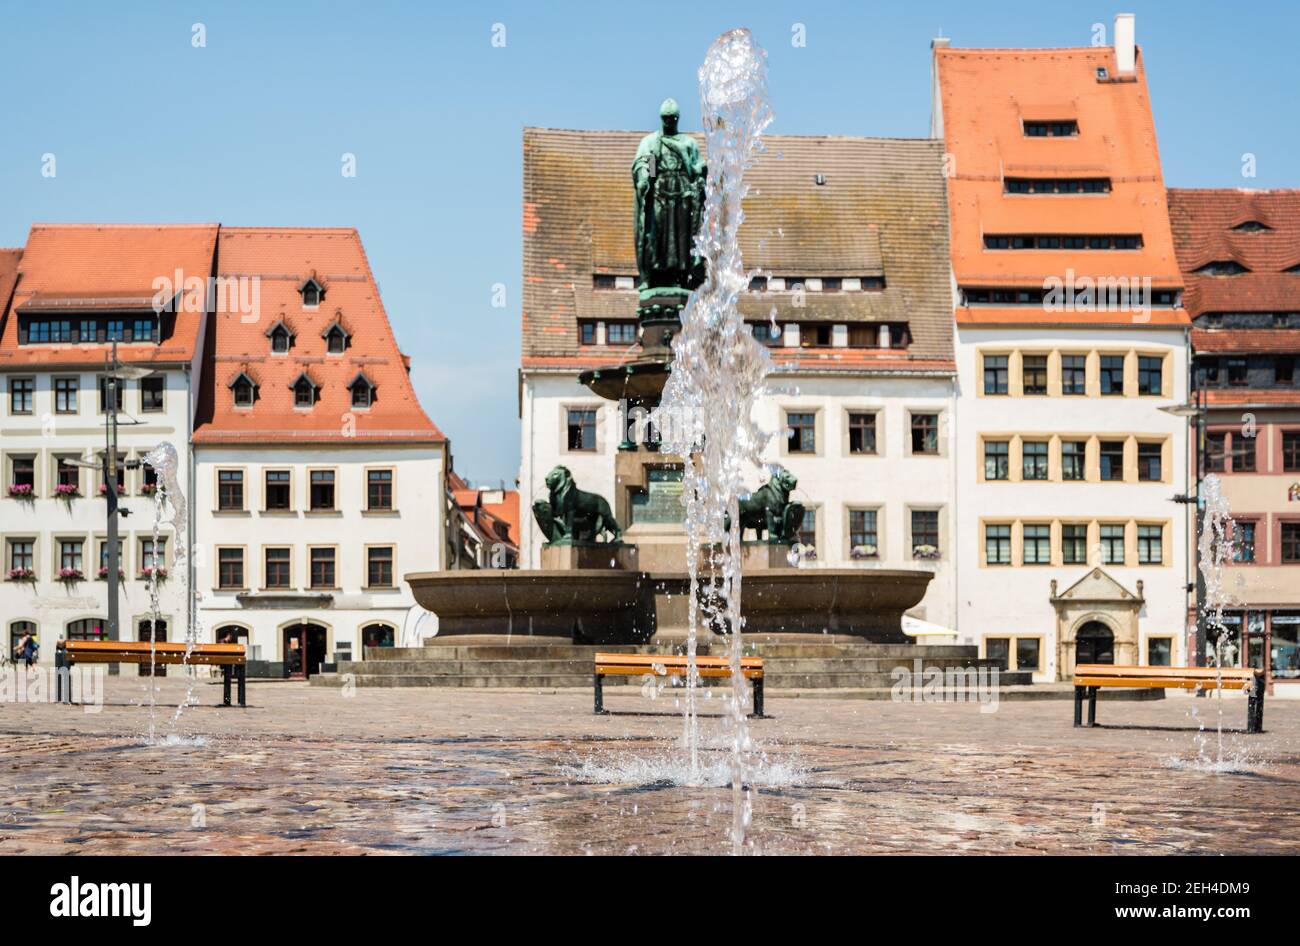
x: 250, y: 129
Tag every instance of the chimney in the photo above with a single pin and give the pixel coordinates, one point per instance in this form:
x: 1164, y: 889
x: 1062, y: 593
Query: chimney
x: 1125, y: 50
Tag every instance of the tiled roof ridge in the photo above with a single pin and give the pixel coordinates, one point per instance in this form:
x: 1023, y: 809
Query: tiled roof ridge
x: 1021, y: 50
x: 126, y: 226
x: 905, y: 139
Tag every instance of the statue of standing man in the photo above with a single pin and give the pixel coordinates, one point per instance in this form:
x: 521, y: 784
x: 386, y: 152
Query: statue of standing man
x: 669, y: 175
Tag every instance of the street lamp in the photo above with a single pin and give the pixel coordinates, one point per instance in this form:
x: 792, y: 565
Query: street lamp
x: 114, y: 372
x: 1195, y: 411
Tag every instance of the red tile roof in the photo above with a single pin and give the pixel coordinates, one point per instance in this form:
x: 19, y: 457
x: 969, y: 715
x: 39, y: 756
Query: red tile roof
x: 1205, y: 230
x: 9, y: 259
x: 89, y: 266
x: 282, y: 258
x: 1264, y: 341
x: 1258, y: 397
x: 986, y: 95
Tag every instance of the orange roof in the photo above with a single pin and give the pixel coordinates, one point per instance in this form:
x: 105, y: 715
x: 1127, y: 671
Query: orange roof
x: 79, y: 267
x: 9, y: 259
x: 1220, y: 226
x: 986, y: 95
x: 508, y: 512
x: 282, y: 259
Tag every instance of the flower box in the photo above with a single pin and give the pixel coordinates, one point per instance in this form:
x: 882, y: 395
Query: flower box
x: 21, y: 491
x: 103, y: 490
x: 66, y: 491
x: 925, y: 552
x: 158, y: 574
x: 70, y: 576
x: 102, y: 574
x: 148, y: 489
x: 863, y: 551
x: 21, y: 574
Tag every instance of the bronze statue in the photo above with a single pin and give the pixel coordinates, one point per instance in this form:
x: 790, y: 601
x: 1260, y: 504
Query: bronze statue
x: 768, y: 509
x: 669, y: 176
x: 572, y: 515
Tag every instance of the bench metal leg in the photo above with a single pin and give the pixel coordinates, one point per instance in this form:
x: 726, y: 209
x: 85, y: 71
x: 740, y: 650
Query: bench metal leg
x: 758, y: 697
x: 226, y: 672
x: 1078, y: 705
x: 241, y: 678
x: 1255, y: 706
x: 1092, y: 706
x: 598, y: 680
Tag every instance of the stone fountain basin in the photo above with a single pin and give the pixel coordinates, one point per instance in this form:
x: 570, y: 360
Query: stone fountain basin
x: 612, y: 606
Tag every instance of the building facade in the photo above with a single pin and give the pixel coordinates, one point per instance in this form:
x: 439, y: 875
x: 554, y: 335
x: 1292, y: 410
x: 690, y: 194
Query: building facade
x: 852, y: 295
x: 65, y: 298
x: 1240, y: 255
x: 1070, y: 339
x: 319, y: 479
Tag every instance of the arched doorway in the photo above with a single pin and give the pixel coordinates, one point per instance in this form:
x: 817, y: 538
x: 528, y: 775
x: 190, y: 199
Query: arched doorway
x: 304, y: 649
x: 149, y: 629
x: 1094, y: 644
x: 377, y: 635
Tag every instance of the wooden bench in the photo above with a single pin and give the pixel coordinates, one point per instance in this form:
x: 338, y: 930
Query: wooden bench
x: 1088, y: 678
x: 664, y: 665
x: 231, y: 658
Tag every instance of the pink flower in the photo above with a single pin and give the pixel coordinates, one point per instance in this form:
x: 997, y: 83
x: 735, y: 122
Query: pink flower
x: 20, y: 490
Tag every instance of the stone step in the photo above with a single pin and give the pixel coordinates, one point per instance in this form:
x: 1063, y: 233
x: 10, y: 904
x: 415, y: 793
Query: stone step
x: 561, y: 651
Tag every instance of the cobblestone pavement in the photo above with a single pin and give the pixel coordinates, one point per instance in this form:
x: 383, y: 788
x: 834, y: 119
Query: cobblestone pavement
x: 310, y: 770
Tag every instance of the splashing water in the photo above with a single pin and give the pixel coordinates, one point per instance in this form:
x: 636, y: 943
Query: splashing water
x: 168, y: 496
x: 718, y: 374
x: 1216, y: 550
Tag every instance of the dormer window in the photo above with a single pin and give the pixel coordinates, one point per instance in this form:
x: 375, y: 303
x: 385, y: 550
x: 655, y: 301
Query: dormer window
x: 1227, y: 267
x: 1251, y: 226
x: 312, y: 293
x: 363, y: 391
x: 244, y: 390
x: 1051, y: 129
x: 336, y: 338
x: 304, y: 391
x: 281, y: 338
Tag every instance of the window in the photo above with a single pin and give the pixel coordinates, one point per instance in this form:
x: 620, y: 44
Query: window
x: 1034, y: 459
x: 230, y: 490
x: 1033, y: 374
x: 1112, y: 544
x: 1049, y: 185
x: 1149, y: 461
x: 1027, y: 651
x: 281, y: 340
x: 1066, y: 128
x: 65, y: 395
x: 379, y: 489
x: 995, y: 374
x: 20, y: 395
x: 1159, y: 651
x: 814, y: 336
x: 1243, y: 544
x: 863, y: 336
x: 104, y: 385
x: 997, y: 460
x: 768, y: 333
x: 87, y: 629
x: 1112, y: 459
x: 1037, y: 544
x: 1237, y: 372
x: 1243, y: 453
x: 363, y: 392
x: 1216, y: 452
x: 120, y: 475
x: 336, y: 340
x: 1284, y: 369
x: 152, y: 556
x: 1291, y: 541
x: 312, y: 293
x: 1074, y: 544
x: 863, y: 536
x: 998, y: 649
x: 803, y: 431
x: 70, y: 554
x: 925, y: 533
x: 620, y: 333
x: 582, y: 429
x: 17, y: 630
x: 1073, y: 456
x: 1150, y: 375
x: 243, y: 391
x: 103, y: 557
x: 925, y: 434
x: 151, y: 394
x: 808, y: 529
x: 997, y: 545
x: 230, y: 568
x: 862, y: 433
x: 322, y: 568
x: 67, y: 474
x: 1112, y: 374
x: 1291, y: 450
x: 1074, y: 374
x: 22, y: 472
x: 22, y: 554
x: 304, y: 392
x: 277, y: 490
x: 322, y: 490
x: 1150, y: 544
x: 278, y: 572
x: 379, y: 567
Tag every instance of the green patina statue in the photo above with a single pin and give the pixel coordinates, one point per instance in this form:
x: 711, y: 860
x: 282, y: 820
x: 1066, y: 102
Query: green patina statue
x: 768, y: 509
x: 669, y: 175
x: 571, y: 515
